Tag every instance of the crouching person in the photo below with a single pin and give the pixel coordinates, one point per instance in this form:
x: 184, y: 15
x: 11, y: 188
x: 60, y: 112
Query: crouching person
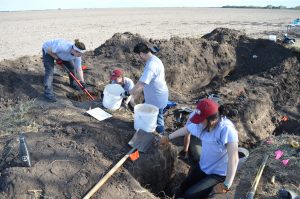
x: 117, y: 77
x: 219, y: 155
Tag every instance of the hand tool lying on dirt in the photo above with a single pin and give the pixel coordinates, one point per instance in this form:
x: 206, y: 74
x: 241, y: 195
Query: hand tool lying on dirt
x: 141, y: 141
x: 250, y: 195
x: 78, y: 82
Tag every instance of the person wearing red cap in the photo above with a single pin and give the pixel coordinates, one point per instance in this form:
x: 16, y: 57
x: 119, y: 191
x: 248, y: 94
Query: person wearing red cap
x: 219, y: 155
x: 117, y: 77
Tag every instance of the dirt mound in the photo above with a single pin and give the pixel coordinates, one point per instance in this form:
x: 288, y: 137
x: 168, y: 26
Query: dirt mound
x: 225, y: 35
x: 190, y: 63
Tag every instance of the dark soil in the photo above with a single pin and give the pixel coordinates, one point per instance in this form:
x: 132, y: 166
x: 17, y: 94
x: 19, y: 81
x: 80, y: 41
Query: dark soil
x: 257, y: 80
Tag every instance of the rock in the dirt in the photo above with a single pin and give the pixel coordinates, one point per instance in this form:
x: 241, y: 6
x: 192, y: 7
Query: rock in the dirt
x: 83, y: 180
x: 70, y: 130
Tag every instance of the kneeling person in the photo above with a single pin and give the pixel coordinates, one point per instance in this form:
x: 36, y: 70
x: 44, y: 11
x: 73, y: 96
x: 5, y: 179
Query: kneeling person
x: 117, y: 77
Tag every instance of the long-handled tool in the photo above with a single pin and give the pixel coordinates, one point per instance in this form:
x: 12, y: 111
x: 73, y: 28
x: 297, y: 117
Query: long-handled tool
x: 141, y: 141
x: 250, y: 195
x: 78, y: 82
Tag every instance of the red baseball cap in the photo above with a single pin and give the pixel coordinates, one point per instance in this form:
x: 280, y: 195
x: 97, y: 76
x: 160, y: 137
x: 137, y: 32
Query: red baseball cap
x: 115, y: 74
x: 204, y: 109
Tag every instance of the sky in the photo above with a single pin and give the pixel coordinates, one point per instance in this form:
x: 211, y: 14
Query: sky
x: 16, y: 5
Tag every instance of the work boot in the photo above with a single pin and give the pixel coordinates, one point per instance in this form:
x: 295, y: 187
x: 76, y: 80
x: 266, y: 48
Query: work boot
x: 50, y: 98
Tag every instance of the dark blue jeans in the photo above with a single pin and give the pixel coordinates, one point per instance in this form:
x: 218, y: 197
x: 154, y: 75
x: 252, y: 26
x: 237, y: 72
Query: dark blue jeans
x: 198, y: 184
x: 49, y: 70
x: 160, y: 128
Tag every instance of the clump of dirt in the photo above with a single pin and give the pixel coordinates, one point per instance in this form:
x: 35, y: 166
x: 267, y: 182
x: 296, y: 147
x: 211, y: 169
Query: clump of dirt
x: 225, y: 35
x: 257, y: 81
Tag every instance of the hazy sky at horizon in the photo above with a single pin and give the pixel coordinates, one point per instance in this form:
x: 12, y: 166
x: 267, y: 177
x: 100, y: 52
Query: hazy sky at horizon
x: 14, y: 5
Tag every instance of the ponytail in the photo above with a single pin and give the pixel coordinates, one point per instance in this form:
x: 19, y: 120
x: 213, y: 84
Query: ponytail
x: 79, y: 44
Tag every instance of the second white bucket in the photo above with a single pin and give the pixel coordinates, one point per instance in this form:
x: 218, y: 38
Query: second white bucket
x: 243, y: 156
x: 145, y: 117
x: 112, y: 99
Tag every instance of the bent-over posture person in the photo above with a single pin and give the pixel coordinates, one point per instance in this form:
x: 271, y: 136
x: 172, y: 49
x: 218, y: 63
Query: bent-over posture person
x: 63, y: 52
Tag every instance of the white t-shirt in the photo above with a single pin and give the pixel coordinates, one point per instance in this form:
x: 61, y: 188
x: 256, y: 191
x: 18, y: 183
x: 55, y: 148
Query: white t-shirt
x: 214, y: 156
x: 155, y: 89
x: 128, y: 84
x: 62, y: 48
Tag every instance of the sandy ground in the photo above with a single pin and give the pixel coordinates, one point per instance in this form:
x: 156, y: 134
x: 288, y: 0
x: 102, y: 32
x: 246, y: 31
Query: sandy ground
x: 22, y: 33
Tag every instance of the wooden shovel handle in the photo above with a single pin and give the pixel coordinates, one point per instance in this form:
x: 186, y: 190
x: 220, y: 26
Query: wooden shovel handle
x: 108, y: 175
x: 250, y: 195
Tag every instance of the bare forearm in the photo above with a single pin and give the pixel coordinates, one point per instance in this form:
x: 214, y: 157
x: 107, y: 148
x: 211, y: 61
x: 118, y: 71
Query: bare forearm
x: 128, y: 99
x: 137, y: 88
x: 80, y: 74
x: 233, y: 160
x: 186, y: 142
x: 180, y: 132
x: 52, y: 54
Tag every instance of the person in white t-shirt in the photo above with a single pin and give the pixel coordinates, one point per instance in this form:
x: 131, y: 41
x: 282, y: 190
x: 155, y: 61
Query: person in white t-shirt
x: 152, y: 82
x: 117, y: 77
x: 64, y: 53
x: 219, y: 155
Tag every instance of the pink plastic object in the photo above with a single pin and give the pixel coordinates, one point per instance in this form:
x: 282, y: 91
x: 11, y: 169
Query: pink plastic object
x: 269, y: 141
x: 278, y: 154
x: 285, y: 162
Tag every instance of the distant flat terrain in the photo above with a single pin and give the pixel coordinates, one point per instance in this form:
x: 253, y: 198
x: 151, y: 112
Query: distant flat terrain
x: 22, y: 33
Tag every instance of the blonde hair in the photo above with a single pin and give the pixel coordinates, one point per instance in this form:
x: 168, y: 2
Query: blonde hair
x: 79, y: 44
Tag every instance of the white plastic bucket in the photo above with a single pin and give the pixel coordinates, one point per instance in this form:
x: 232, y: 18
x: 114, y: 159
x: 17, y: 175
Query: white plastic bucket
x: 112, y: 99
x: 243, y: 156
x: 272, y: 37
x: 145, y: 117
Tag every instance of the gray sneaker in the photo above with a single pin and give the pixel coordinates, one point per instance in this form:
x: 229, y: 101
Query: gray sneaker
x: 50, y: 98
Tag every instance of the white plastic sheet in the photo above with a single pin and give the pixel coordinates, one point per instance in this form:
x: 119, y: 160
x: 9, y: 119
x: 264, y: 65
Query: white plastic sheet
x: 99, y: 114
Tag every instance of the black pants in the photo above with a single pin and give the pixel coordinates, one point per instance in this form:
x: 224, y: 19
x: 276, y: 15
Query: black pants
x: 198, y: 184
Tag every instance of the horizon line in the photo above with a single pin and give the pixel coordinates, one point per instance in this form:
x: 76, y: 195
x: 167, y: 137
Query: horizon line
x: 51, y: 9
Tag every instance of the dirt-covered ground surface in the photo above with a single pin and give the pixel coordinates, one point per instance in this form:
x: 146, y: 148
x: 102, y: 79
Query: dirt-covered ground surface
x: 257, y: 80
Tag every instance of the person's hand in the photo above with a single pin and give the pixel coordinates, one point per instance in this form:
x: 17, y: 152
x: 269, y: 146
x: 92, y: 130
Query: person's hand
x: 125, y: 94
x: 59, y: 62
x: 83, y: 84
x: 220, y: 188
x: 164, y: 139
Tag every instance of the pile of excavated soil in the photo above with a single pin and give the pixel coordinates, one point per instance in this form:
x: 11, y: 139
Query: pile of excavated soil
x: 257, y: 80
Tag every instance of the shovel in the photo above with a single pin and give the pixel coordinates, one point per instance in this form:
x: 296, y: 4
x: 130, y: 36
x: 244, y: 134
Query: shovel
x: 141, y: 141
x: 78, y: 82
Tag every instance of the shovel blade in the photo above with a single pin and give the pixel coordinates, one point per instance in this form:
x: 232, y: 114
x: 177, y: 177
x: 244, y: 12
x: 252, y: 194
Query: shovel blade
x: 141, y: 140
